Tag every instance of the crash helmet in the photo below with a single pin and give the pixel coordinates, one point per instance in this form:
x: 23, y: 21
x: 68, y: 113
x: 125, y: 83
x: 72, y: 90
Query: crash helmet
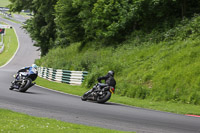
x: 111, y: 73
x: 34, y: 66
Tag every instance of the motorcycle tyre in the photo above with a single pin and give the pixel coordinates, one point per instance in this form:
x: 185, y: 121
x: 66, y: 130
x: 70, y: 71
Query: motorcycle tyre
x: 11, y: 88
x: 83, y: 98
x: 105, y: 98
x: 25, y: 88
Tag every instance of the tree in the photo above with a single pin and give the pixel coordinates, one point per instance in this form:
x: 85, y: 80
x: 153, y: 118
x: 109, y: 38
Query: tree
x: 41, y: 26
x: 110, y: 19
x: 70, y: 18
x: 61, y: 22
x: 68, y: 22
x: 90, y: 20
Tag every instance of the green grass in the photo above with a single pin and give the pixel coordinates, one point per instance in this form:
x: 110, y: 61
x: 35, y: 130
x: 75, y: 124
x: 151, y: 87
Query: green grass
x: 2, y: 23
x: 15, y: 21
x: 71, y: 89
x: 157, y: 66
x: 178, y: 108
x: 164, y: 71
x: 11, y: 44
x: 24, y: 14
x: 4, y: 3
x: 13, y: 122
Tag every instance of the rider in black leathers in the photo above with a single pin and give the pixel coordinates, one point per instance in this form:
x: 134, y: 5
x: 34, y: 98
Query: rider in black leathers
x: 109, y: 81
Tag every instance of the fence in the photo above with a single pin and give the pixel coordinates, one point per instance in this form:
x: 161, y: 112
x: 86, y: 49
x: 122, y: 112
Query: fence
x: 5, y: 14
x: 1, y: 44
x: 62, y: 76
x: 9, y: 16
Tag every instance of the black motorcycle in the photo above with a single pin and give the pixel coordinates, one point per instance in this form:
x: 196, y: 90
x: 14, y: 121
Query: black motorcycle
x: 23, y: 81
x: 100, y: 93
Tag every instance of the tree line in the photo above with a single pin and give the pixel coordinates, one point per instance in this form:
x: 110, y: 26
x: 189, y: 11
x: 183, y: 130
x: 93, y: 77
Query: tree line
x: 108, y: 22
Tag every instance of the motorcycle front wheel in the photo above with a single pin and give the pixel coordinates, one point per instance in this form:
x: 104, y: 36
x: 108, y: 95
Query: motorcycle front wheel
x: 26, y: 86
x: 83, y: 98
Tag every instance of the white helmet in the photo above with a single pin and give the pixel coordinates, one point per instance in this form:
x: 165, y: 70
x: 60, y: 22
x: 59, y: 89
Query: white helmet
x: 111, y: 73
x: 34, y: 66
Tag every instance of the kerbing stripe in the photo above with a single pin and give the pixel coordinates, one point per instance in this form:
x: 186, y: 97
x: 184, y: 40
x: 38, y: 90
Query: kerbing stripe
x: 193, y: 115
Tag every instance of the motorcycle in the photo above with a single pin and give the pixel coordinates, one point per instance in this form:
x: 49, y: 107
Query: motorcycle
x: 23, y: 81
x: 100, y: 93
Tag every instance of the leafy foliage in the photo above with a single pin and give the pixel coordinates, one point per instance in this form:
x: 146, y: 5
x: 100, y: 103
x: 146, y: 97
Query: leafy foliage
x: 108, y: 22
x: 163, y: 67
x: 41, y: 26
x: 148, y: 33
x: 110, y: 18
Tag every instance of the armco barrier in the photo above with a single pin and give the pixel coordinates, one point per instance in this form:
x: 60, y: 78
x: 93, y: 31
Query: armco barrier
x: 4, y: 11
x: 9, y: 16
x: 5, y: 14
x: 1, y: 44
x: 2, y: 48
x: 63, y: 76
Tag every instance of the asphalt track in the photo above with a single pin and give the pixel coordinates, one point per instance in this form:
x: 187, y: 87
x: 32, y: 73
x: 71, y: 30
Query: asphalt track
x: 47, y: 103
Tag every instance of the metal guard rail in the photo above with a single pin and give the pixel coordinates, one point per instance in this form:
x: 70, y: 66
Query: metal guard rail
x: 1, y: 44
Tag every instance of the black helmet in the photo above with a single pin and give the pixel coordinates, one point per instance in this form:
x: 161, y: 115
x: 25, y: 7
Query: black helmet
x: 111, y: 73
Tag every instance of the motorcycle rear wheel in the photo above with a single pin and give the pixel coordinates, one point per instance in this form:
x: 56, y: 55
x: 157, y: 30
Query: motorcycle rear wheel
x: 107, y: 95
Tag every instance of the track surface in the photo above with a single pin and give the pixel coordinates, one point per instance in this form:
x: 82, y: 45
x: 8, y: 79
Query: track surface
x: 46, y: 103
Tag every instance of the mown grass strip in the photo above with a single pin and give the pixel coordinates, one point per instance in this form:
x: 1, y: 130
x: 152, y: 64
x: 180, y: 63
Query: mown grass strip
x: 11, y: 44
x: 12, y: 20
x: 17, y: 122
x: 4, y: 3
x: 178, y: 108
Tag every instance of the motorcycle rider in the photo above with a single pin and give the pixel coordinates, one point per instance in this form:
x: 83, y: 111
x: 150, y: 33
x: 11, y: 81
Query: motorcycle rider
x: 30, y: 69
x: 24, y: 72
x: 109, y: 81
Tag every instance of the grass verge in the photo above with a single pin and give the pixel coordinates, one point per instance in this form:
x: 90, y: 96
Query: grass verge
x: 4, y: 3
x: 178, y: 108
x: 17, y: 122
x: 11, y: 44
x: 12, y: 20
x: 162, y: 65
